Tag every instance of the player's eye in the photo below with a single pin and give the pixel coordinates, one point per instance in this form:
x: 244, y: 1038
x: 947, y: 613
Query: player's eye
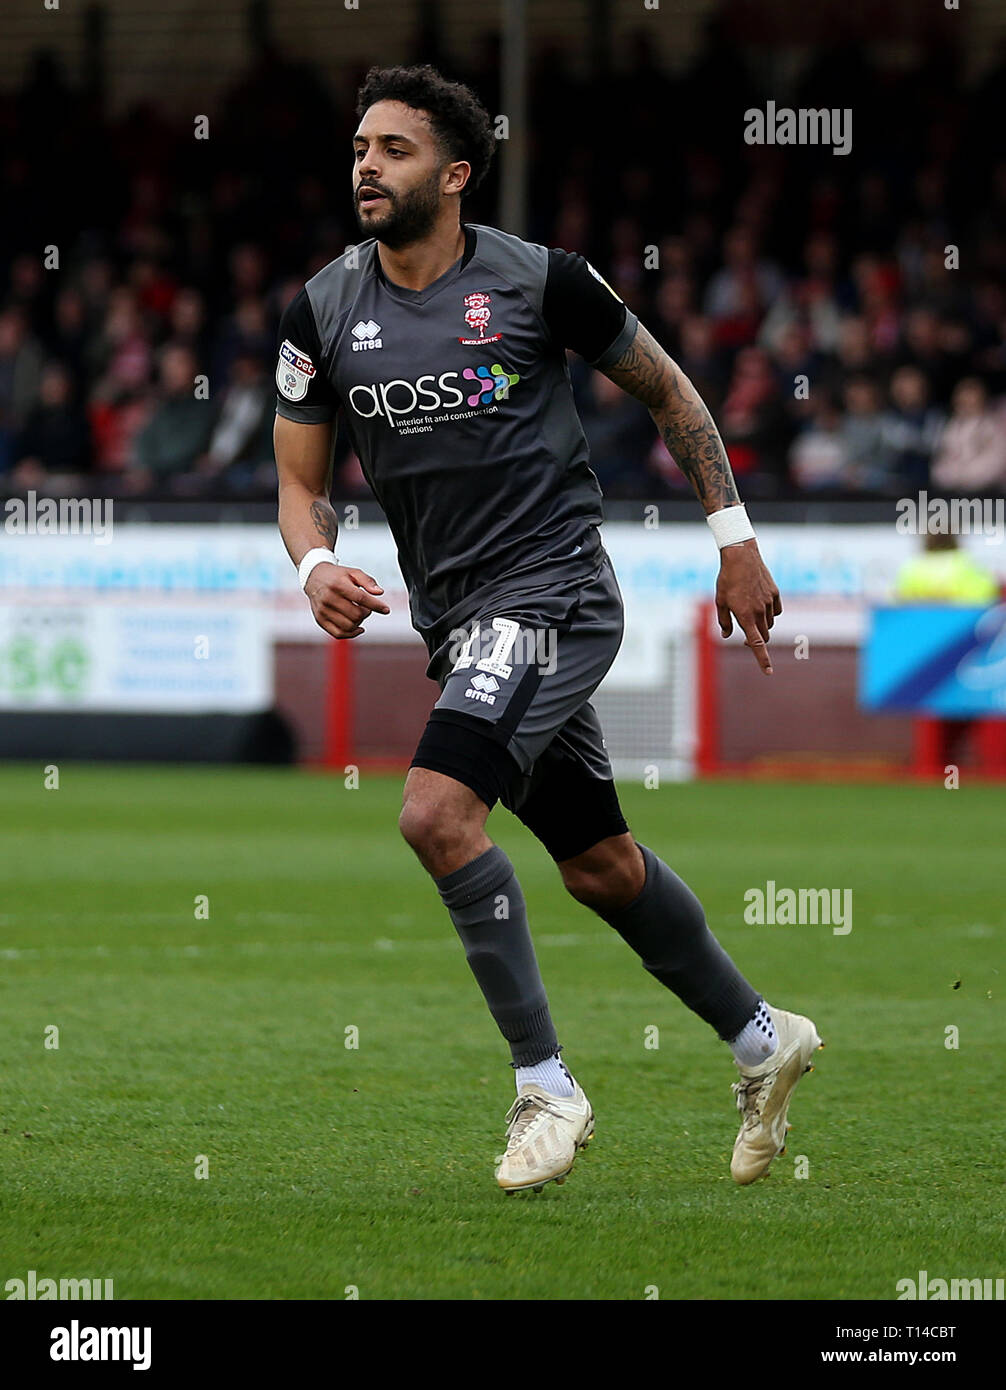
x: 396, y: 152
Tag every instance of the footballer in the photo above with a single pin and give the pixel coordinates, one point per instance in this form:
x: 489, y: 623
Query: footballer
x: 444, y: 345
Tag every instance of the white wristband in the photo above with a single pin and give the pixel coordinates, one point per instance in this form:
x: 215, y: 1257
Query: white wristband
x: 319, y: 556
x: 730, y: 526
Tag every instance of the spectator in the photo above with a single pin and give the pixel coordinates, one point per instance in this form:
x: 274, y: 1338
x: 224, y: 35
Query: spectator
x: 620, y: 434
x: 957, y: 342
x: 702, y: 362
x: 625, y: 258
x: 744, y: 277
x: 911, y: 427
x: 28, y: 291
x: 674, y: 304
x: 989, y: 323
x: 95, y: 282
x: 877, y: 287
x: 921, y: 347
x: 854, y: 355
x: 740, y: 328
x: 794, y: 356
x: 869, y: 458
x: 813, y: 301
x: 972, y: 455
x: 121, y: 400
x: 240, y: 447
x: 178, y: 430
x: 153, y: 288
x: 56, y: 436
x: 187, y: 321
x: 115, y: 423
x: 247, y: 330
x: 753, y: 424
x: 70, y: 332
x: 122, y: 351
x: 936, y: 289
x: 247, y: 265
x: 818, y: 459
x: 20, y: 369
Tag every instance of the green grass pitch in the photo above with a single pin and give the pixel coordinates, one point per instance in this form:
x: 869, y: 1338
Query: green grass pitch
x: 334, y: 1168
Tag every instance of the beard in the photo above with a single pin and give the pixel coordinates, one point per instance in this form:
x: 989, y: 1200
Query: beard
x: 409, y: 218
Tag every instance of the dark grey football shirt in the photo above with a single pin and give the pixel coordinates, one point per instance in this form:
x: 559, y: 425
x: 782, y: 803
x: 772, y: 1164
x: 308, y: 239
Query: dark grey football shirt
x: 458, y: 403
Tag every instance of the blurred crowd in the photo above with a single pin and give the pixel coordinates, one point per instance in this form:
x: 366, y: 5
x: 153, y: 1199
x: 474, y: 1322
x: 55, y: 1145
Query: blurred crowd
x: 843, y: 349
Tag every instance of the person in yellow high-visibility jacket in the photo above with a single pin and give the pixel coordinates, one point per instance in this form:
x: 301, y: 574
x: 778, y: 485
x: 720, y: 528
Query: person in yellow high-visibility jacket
x: 944, y: 573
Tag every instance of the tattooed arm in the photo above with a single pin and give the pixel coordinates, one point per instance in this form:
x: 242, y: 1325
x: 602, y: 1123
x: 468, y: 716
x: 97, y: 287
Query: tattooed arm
x: 745, y: 589
x: 341, y: 598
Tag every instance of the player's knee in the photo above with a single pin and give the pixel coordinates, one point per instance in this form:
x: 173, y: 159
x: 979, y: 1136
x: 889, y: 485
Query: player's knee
x: 438, y: 839
x: 602, y: 891
x: 421, y: 825
x: 586, y: 887
x: 607, y: 877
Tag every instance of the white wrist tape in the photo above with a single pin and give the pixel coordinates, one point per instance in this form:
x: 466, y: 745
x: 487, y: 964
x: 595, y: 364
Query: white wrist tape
x: 730, y: 526
x: 318, y: 556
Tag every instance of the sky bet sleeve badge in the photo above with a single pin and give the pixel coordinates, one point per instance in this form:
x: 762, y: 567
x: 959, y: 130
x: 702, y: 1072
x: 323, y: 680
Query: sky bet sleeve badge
x: 293, y: 372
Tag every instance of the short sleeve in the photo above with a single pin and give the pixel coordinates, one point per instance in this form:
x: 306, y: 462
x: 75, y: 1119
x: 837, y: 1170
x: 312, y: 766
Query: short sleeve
x: 304, y: 392
x: 583, y: 312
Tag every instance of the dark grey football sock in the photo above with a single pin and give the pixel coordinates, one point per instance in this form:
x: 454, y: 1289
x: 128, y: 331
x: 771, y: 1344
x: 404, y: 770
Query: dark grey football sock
x: 666, y: 927
x: 488, y: 910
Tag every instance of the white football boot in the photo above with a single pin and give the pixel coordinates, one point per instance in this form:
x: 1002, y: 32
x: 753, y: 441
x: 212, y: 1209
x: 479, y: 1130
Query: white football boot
x: 544, y: 1135
x: 764, y: 1094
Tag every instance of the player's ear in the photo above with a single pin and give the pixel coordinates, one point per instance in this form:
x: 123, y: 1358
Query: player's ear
x: 456, y: 176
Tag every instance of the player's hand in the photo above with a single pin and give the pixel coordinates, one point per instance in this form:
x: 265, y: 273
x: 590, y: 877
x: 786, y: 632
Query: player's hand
x: 746, y: 590
x: 342, y: 599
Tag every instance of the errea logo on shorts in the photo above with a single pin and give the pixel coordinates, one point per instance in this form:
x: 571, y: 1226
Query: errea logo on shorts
x: 366, y: 335
x: 483, y: 688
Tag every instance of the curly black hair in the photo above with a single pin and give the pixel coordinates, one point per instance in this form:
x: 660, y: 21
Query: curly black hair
x: 460, y: 122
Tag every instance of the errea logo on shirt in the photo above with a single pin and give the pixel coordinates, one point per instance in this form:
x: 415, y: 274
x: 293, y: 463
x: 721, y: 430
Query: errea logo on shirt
x: 366, y: 335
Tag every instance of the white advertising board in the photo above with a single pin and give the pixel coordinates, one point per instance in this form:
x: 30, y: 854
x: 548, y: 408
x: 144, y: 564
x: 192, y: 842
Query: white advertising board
x: 175, y: 657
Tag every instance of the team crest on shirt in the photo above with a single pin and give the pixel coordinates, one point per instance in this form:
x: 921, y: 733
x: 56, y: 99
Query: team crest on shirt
x: 477, y: 316
x: 294, y: 372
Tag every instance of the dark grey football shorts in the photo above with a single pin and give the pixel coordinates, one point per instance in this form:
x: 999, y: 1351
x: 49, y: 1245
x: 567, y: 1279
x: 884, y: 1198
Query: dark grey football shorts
x: 514, y: 719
